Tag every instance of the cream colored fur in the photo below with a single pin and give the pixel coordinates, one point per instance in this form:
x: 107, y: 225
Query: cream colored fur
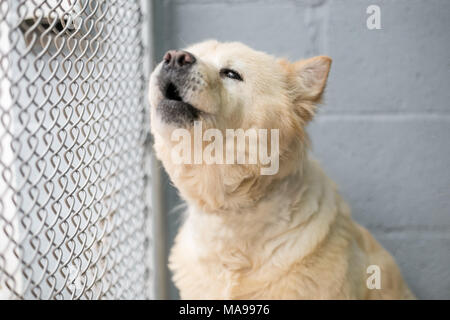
x: 248, y: 236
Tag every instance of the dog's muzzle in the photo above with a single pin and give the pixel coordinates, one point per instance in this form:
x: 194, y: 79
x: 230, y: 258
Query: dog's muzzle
x: 173, y: 80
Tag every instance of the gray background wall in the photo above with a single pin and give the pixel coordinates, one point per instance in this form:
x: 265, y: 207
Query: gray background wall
x: 383, y: 132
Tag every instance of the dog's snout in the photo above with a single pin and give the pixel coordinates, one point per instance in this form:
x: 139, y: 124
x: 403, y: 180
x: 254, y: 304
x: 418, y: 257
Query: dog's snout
x: 178, y: 59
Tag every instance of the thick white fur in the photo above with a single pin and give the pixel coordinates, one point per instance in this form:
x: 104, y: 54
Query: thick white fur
x: 247, y: 236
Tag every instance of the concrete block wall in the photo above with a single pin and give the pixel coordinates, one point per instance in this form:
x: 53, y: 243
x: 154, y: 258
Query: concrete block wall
x: 383, y: 133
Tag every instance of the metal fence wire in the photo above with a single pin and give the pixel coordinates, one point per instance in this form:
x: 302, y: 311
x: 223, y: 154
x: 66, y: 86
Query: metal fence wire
x: 73, y: 218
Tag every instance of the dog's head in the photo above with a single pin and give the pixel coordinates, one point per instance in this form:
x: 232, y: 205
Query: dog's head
x: 227, y: 86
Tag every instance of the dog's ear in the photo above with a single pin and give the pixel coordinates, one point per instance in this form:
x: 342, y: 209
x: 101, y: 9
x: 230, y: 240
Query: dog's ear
x: 311, y: 77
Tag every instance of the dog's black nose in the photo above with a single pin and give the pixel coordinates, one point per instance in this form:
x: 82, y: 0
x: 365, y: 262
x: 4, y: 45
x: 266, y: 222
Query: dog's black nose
x: 178, y: 59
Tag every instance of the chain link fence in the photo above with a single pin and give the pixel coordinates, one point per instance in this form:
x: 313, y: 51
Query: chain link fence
x: 74, y: 218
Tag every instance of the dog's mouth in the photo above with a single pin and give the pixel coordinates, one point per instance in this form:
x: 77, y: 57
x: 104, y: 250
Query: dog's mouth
x: 172, y: 93
x: 173, y: 108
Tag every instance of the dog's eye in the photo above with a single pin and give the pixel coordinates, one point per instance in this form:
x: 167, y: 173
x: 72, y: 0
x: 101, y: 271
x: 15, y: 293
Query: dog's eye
x: 230, y: 74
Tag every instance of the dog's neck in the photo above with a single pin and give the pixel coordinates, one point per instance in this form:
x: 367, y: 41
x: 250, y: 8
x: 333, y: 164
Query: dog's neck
x: 290, y: 204
x: 234, y: 189
x: 280, y: 193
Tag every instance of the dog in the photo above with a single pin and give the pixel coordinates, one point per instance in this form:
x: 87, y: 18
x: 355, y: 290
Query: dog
x: 248, y: 235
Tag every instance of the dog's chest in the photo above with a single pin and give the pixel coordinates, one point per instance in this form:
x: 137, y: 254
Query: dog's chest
x: 213, y: 275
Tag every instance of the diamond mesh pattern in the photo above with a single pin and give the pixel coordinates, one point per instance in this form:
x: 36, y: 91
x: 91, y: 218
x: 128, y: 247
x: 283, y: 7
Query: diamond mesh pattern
x: 73, y: 220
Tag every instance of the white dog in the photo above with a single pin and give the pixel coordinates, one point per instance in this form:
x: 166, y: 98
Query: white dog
x: 287, y: 235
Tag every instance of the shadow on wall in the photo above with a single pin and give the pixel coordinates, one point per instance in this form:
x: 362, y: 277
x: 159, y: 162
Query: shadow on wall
x: 383, y: 131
